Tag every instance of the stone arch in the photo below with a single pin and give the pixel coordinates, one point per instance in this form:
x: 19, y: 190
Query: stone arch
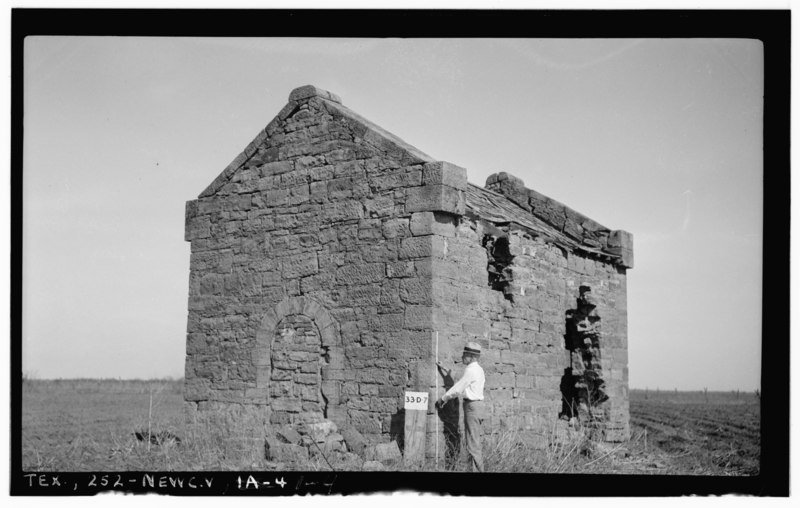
x: 325, y: 326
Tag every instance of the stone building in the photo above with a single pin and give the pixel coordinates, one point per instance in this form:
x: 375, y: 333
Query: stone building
x: 331, y: 262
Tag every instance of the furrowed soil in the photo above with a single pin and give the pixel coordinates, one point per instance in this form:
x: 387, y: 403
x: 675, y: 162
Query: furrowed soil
x: 91, y: 425
x: 714, y: 433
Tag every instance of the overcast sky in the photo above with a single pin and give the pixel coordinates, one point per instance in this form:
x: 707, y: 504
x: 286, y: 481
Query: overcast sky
x: 662, y: 138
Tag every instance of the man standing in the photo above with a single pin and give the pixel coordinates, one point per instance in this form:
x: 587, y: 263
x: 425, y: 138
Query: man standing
x: 470, y: 387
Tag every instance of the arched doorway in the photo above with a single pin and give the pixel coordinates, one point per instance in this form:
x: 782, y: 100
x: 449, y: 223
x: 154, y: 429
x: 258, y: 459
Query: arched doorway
x: 299, y: 362
x: 296, y: 362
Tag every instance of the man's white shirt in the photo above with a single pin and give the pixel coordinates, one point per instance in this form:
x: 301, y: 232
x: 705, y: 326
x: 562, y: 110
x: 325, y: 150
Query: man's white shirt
x: 470, y: 385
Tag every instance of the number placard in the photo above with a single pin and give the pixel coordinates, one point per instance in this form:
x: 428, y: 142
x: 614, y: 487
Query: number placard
x: 416, y: 400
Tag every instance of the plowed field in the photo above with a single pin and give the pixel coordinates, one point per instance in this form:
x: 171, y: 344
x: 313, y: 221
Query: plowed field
x: 714, y: 433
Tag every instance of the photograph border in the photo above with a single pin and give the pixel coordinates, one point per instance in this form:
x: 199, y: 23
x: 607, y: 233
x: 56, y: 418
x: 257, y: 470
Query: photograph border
x: 772, y: 27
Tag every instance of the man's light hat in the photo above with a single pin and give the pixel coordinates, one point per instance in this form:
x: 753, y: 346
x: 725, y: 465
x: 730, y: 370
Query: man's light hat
x: 472, y: 348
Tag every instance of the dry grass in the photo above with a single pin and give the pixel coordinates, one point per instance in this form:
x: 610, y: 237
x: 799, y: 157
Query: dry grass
x: 89, y: 425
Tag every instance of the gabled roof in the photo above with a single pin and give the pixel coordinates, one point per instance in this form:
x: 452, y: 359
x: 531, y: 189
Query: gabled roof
x: 506, y: 196
x: 505, y: 200
x: 493, y: 207
x: 369, y: 134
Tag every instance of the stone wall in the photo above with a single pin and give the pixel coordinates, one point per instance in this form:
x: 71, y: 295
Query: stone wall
x: 522, y: 325
x: 331, y: 263
x: 310, y: 290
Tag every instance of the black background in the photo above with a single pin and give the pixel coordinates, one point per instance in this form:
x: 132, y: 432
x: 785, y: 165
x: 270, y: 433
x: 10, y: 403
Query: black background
x: 771, y: 27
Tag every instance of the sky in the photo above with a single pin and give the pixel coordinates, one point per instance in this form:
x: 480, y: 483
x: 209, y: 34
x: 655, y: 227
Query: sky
x: 659, y: 137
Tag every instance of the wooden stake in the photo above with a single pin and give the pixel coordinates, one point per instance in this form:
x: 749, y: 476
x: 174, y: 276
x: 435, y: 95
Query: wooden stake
x: 436, y: 393
x: 416, y: 410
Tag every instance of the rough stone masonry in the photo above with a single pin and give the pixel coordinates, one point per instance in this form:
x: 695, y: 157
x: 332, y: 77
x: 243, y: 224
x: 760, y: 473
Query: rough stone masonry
x: 330, y: 261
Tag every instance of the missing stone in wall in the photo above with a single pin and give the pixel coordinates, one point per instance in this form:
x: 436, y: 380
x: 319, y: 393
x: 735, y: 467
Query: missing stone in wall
x: 499, y: 254
x: 583, y: 386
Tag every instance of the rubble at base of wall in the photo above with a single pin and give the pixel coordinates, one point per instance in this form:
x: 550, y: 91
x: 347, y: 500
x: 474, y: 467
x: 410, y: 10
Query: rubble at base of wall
x: 323, y: 440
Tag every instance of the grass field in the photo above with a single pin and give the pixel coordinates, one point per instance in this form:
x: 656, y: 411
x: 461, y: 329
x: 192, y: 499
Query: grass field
x: 89, y: 425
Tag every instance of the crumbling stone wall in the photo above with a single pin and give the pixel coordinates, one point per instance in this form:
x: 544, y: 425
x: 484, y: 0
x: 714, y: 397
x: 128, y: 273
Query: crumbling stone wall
x: 526, y: 353
x: 583, y: 385
x: 515, y: 291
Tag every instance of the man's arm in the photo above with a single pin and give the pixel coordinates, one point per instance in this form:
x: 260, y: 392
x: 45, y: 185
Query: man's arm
x: 459, y: 387
x: 456, y: 390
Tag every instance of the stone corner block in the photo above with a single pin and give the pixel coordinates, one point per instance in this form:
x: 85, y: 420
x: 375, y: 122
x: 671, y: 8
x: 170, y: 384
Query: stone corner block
x: 191, y: 213
x: 420, y: 223
x: 191, y: 208
x: 308, y: 91
x: 431, y: 223
x: 444, y: 173
x: 435, y: 198
x: 621, y: 243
